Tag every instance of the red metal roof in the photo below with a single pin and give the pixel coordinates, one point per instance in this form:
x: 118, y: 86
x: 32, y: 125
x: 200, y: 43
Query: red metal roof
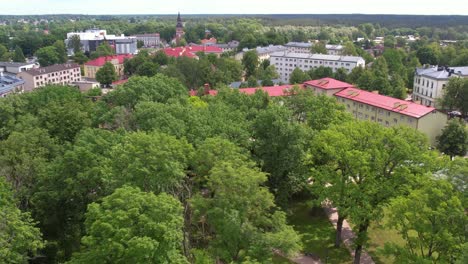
x: 385, y: 102
x: 102, y: 60
x: 190, y: 51
x: 328, y: 84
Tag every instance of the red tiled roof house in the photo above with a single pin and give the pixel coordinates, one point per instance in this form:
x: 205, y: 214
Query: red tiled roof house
x: 91, y: 67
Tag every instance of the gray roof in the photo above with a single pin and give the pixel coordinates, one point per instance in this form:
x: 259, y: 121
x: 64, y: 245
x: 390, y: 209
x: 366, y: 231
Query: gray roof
x: 14, y: 64
x: 270, y: 49
x: 52, y: 68
x: 298, y: 44
x: 9, y: 82
x: 435, y: 72
x: 317, y: 56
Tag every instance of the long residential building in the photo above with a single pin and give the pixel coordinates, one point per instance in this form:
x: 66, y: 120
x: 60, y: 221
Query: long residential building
x: 429, y: 82
x: 149, y: 40
x: 92, y: 38
x: 286, y: 62
x: 91, y: 67
x: 61, y: 74
x: 305, y: 47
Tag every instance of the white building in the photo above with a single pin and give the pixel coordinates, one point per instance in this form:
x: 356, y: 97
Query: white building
x: 430, y: 82
x: 286, y: 62
x: 304, y: 47
x: 92, y: 38
x: 16, y: 67
x: 149, y: 40
x: 60, y: 74
x: 262, y: 52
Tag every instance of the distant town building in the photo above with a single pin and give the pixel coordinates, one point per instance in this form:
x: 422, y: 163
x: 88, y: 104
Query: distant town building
x: 230, y: 46
x: 10, y: 84
x: 149, y: 40
x: 91, y: 67
x: 429, y: 82
x: 262, y: 52
x: 92, y: 38
x: 16, y: 67
x: 305, y: 47
x: 191, y: 51
x: 210, y: 41
x: 286, y: 62
x: 61, y: 74
x: 179, y: 30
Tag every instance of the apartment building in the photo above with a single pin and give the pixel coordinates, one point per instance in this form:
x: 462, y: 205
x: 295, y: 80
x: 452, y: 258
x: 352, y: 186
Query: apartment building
x: 61, y: 74
x: 305, y: 47
x: 92, y: 38
x: 149, y: 40
x: 389, y: 111
x: 429, y: 82
x: 91, y: 67
x: 286, y: 62
x: 326, y: 86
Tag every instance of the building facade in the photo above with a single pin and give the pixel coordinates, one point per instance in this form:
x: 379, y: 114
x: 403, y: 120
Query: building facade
x: 305, y: 47
x: 91, y: 67
x: 286, y: 62
x: 92, y: 38
x: 429, y: 83
x: 390, y: 112
x: 60, y: 74
x: 149, y: 40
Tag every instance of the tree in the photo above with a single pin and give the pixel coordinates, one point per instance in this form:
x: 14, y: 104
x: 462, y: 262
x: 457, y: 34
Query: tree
x: 341, y: 74
x: 453, y: 140
x: 48, y: 56
x: 426, y: 55
x: 140, y: 44
x: 18, y: 55
x: 161, y: 58
x: 455, y: 95
x: 147, y: 69
x: 4, y: 54
x: 19, y: 238
x: 106, y: 74
x: 319, y: 47
x: 61, y: 51
x: 349, y: 49
x: 104, y: 49
x: 250, y: 62
x: 298, y: 76
x: 80, y: 58
x: 238, y: 218
x: 131, y: 226
x: 431, y: 219
x: 252, y: 81
x: 75, y: 43
x: 389, y: 41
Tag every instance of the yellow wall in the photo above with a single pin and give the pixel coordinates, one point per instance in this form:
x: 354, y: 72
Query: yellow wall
x: 432, y: 125
x: 90, y: 71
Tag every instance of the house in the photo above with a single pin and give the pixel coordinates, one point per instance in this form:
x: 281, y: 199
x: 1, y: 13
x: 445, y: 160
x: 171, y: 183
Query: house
x: 230, y: 46
x: 305, y: 47
x: 16, y: 67
x: 389, y: 111
x: 10, y: 84
x: 61, y: 74
x: 92, y: 38
x: 149, y: 40
x: 285, y: 62
x: 191, y: 51
x: 430, y: 81
x: 91, y: 67
x: 326, y: 86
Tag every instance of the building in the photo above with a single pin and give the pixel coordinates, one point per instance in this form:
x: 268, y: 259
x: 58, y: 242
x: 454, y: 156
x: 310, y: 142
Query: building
x: 179, y: 30
x: 149, y: 40
x: 61, y: 74
x: 286, y: 62
x: 10, y: 84
x: 91, y: 67
x: 191, y: 51
x: 210, y: 41
x: 389, y: 111
x: 87, y: 84
x: 326, y: 86
x: 429, y: 82
x: 305, y: 47
x: 16, y: 67
x: 230, y: 46
x: 262, y: 52
x: 92, y: 38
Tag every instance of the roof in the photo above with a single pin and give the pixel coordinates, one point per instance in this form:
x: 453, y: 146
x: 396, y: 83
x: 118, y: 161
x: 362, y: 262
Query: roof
x: 211, y: 40
x: 440, y: 72
x: 102, y: 60
x: 317, y: 56
x: 272, y: 91
x: 51, y: 68
x: 328, y: 84
x: 270, y: 49
x: 190, y: 51
x: 14, y: 64
x: 9, y: 82
x: 385, y: 102
x: 298, y: 44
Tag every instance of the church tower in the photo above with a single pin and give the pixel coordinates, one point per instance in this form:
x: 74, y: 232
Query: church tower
x: 179, y: 29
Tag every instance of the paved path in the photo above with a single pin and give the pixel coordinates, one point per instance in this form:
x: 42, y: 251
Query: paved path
x: 347, y: 235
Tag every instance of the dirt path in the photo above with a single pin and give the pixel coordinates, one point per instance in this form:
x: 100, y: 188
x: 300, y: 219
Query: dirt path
x: 347, y: 235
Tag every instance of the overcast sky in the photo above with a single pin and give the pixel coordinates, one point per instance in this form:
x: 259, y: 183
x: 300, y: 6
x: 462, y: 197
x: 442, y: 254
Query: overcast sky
x: 419, y: 7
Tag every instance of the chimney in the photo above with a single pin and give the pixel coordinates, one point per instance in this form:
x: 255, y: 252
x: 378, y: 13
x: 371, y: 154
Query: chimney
x: 206, y: 89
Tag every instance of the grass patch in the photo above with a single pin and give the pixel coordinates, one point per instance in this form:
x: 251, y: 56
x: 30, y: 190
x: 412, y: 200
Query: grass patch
x: 318, y: 234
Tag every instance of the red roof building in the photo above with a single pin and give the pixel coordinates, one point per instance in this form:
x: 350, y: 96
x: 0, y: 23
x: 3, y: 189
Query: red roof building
x: 328, y: 86
x: 209, y: 41
x: 190, y: 51
x: 91, y: 67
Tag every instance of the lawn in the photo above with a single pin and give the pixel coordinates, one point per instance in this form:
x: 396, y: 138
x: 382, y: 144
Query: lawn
x: 317, y: 232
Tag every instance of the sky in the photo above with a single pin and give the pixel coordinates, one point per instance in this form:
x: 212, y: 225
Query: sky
x: 91, y: 7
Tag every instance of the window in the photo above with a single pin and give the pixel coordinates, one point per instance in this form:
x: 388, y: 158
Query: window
x: 372, y: 118
x: 367, y: 107
x: 380, y: 111
x: 379, y: 120
x: 387, y: 123
x: 395, y: 120
x: 342, y: 100
x: 367, y: 116
x: 410, y: 120
x: 348, y: 105
x: 388, y: 113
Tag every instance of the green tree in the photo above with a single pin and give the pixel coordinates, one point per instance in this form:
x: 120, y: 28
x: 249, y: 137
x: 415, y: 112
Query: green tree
x: 106, y: 74
x: 19, y: 238
x: 453, y: 140
x: 250, y: 62
x: 75, y: 44
x: 131, y: 226
x: 80, y: 58
x: 341, y: 74
x: 426, y: 55
x: 319, y: 47
x: 238, y: 218
x: 48, y: 56
x: 4, y: 54
x: 252, y: 81
x: 455, y: 95
x: 349, y: 49
x: 147, y: 69
x: 18, y: 55
x: 104, y: 49
x: 298, y: 76
x: 431, y: 219
x: 59, y: 46
x: 161, y: 58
